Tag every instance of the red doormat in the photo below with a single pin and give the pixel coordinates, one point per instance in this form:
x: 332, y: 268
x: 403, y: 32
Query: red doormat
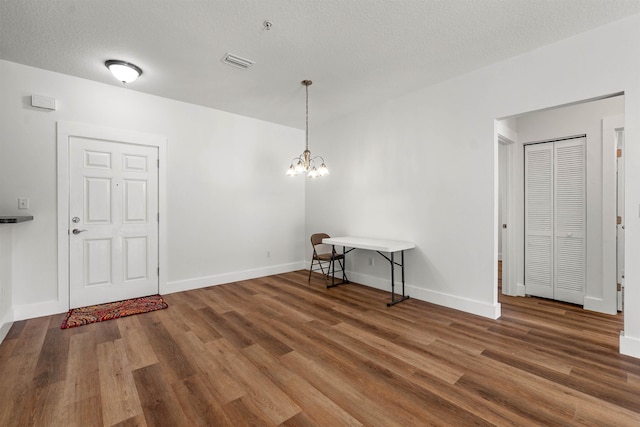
x: 112, y: 310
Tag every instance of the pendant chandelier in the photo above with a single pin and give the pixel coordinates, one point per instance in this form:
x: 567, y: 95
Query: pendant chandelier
x: 304, y: 162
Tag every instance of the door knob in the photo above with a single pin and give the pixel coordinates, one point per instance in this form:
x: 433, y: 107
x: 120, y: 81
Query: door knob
x: 76, y: 231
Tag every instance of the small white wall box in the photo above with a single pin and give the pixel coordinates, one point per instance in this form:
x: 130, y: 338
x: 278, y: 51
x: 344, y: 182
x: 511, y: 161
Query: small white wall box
x: 45, y: 102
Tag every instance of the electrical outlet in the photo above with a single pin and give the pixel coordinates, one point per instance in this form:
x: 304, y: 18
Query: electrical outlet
x: 23, y: 203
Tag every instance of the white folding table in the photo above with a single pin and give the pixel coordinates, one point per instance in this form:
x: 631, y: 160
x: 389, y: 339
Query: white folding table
x: 377, y: 245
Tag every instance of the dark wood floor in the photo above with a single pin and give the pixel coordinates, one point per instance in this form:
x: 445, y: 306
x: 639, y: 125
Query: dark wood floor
x: 280, y: 351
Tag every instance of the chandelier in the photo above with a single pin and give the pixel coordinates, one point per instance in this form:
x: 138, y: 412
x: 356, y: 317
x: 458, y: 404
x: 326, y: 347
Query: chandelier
x: 304, y: 162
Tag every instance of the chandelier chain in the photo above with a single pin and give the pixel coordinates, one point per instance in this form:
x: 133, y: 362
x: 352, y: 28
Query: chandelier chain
x: 306, y: 86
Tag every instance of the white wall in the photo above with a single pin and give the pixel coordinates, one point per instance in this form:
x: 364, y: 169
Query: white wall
x: 229, y: 201
x: 570, y: 121
x: 423, y: 167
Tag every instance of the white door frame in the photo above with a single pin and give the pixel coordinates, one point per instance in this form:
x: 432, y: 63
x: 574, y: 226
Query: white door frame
x: 507, y: 139
x: 67, y: 130
x: 608, y: 302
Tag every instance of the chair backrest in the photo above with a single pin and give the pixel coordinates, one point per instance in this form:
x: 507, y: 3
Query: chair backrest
x: 316, y: 239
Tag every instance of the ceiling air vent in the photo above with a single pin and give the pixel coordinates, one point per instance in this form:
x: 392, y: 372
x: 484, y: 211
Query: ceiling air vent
x: 236, y: 61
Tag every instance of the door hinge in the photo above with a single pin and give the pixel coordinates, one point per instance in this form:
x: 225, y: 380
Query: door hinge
x: 158, y: 216
x: 619, y: 152
x: 158, y: 271
x: 158, y: 162
x: 619, y: 220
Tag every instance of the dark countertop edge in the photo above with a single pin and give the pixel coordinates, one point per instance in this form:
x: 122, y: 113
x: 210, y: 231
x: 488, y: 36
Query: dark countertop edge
x: 15, y: 219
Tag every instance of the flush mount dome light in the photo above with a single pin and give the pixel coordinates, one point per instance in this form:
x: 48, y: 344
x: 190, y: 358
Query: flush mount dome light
x: 123, y: 71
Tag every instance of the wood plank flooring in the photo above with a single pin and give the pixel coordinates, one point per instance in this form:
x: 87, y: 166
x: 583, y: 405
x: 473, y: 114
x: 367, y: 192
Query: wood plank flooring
x: 277, y: 351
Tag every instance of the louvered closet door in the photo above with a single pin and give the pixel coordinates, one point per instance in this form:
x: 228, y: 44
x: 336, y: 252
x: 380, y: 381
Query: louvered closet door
x: 570, y: 219
x: 555, y: 220
x: 539, y: 220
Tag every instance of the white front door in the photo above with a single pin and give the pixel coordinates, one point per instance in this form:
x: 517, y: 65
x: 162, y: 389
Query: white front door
x: 113, y: 221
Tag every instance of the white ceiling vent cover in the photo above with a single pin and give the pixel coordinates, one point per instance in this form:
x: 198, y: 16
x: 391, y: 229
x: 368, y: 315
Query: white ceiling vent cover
x: 236, y: 61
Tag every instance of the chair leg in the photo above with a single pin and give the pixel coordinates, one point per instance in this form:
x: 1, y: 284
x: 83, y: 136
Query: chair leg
x: 310, y: 270
x: 326, y: 276
x: 321, y: 266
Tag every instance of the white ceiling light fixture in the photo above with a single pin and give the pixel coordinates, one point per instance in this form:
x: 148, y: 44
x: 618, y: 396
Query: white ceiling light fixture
x: 304, y: 162
x: 123, y: 71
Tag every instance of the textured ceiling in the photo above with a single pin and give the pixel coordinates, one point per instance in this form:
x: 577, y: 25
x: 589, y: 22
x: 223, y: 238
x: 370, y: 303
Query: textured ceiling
x: 357, y: 52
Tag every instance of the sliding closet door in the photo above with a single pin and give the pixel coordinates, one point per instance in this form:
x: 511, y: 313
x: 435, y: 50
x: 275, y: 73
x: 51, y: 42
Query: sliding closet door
x: 538, y: 211
x: 555, y: 220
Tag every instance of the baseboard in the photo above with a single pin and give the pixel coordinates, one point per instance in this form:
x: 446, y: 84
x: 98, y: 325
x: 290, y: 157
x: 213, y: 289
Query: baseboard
x: 599, y: 305
x: 492, y: 311
x: 45, y: 308
x: 5, y: 324
x: 521, y: 291
x: 203, y: 282
x: 629, y: 346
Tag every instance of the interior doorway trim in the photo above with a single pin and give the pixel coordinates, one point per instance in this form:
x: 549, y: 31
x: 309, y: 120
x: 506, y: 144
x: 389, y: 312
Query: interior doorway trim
x: 508, y: 188
x: 65, y: 132
x: 607, y: 303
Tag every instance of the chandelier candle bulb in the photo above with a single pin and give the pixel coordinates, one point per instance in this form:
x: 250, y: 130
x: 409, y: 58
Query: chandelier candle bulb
x: 304, y: 162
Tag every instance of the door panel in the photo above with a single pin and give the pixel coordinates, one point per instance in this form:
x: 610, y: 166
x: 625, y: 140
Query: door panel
x: 135, y: 201
x: 539, y: 220
x: 135, y: 258
x: 98, y: 261
x: 113, y: 189
x: 97, y: 197
x: 570, y: 220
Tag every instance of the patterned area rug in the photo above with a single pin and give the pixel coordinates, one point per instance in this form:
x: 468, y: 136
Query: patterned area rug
x: 112, y: 310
